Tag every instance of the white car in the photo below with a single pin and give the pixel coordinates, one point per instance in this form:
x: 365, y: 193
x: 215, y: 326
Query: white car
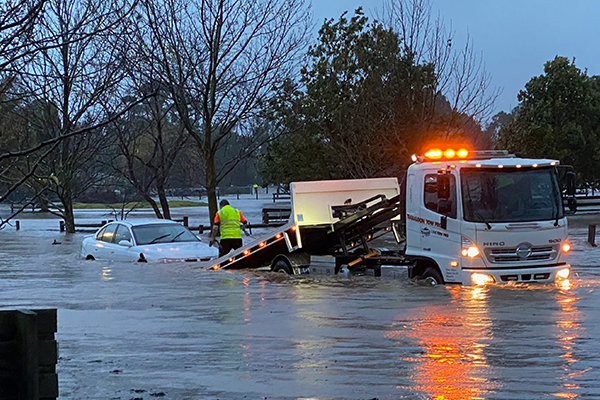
x: 155, y: 240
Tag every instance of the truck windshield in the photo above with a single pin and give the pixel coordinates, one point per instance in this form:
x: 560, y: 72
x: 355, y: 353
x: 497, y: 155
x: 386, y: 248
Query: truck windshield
x: 510, y: 195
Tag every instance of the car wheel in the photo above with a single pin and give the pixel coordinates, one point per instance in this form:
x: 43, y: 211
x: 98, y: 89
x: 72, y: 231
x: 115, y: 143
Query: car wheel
x: 90, y: 257
x: 432, y: 276
x: 282, y: 266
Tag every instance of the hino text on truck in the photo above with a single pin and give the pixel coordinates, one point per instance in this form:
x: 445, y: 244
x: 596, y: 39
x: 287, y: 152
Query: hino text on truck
x: 460, y: 217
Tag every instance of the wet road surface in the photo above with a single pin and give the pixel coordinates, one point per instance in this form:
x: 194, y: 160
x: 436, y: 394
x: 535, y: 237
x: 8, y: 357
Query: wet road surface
x: 177, y: 332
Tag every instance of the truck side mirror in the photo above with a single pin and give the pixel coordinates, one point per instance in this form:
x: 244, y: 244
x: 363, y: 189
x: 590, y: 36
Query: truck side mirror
x: 443, y: 186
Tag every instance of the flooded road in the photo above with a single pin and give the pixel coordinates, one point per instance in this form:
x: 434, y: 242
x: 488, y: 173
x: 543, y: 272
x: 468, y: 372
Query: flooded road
x: 177, y: 332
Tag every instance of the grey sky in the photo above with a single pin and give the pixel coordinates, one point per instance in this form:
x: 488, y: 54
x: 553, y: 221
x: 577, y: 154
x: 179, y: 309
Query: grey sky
x: 516, y: 37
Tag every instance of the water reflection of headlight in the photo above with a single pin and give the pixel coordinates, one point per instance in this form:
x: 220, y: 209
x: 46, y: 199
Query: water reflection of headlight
x: 565, y: 284
x: 106, y: 274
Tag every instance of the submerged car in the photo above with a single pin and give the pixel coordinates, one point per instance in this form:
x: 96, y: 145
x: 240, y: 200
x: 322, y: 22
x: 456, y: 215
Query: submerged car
x: 146, y: 240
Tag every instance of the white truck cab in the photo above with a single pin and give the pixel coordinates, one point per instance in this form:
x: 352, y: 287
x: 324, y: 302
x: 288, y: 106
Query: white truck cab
x: 485, y: 217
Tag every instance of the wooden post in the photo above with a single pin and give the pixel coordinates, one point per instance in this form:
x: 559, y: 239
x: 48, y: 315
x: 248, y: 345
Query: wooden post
x: 18, y: 225
x: 186, y: 221
x: 28, y: 354
x: 27, y: 339
x: 48, y: 353
x: 592, y: 235
x: 238, y: 194
x: 62, y: 225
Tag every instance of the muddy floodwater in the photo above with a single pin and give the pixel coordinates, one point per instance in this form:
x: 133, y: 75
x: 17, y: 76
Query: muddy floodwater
x: 152, y: 331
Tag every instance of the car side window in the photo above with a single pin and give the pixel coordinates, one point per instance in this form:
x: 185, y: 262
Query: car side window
x: 109, y: 233
x: 122, y: 234
x: 430, y: 196
x: 100, y: 233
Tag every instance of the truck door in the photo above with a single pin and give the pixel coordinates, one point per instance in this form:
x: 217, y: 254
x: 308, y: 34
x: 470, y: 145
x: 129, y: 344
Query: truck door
x: 440, y: 226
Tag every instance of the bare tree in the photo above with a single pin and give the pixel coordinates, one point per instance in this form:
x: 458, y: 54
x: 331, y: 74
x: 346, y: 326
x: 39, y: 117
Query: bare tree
x: 461, y: 75
x: 150, y: 138
x: 73, y: 78
x: 221, y: 59
x: 18, y: 20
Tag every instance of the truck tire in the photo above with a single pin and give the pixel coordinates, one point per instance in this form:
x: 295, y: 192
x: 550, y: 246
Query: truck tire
x: 283, y: 267
x: 433, y: 276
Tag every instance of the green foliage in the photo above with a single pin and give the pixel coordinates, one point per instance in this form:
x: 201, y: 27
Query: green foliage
x: 364, y: 107
x: 558, y: 117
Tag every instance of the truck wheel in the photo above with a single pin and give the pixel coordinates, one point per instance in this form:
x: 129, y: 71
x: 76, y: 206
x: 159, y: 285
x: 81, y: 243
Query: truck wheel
x: 283, y: 267
x: 432, y: 276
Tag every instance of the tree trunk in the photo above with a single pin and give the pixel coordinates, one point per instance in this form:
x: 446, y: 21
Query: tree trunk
x: 68, y: 215
x: 152, y: 204
x: 43, y: 202
x: 164, y: 204
x: 211, y: 187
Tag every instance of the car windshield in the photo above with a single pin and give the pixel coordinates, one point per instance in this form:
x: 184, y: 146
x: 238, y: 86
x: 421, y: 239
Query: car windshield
x: 162, y: 233
x: 511, y: 195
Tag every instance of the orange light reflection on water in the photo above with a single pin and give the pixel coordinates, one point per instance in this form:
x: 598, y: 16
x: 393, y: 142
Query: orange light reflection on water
x: 568, y: 323
x: 453, y: 338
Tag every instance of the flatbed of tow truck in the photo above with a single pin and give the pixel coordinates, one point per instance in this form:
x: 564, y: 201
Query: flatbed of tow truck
x: 322, y: 224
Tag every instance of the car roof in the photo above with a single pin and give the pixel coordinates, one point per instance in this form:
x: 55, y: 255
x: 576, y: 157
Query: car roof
x: 144, y: 221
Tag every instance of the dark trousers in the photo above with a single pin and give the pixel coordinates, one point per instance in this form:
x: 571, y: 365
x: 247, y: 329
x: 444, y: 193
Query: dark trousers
x: 229, y: 244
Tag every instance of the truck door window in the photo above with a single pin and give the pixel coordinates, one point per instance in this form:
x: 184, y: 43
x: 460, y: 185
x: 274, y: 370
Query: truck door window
x: 430, y: 197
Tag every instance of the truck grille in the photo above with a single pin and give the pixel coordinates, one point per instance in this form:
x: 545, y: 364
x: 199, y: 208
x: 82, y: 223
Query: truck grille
x: 499, y: 255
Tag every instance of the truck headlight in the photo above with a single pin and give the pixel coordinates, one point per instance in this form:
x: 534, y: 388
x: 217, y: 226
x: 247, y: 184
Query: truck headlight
x: 468, y: 248
x: 482, y: 279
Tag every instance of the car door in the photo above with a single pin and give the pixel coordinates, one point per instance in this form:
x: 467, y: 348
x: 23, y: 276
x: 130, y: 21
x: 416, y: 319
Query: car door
x: 440, y: 232
x: 104, y: 248
x: 122, y: 253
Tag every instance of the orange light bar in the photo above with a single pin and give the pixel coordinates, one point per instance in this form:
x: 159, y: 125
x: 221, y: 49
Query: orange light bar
x: 278, y: 236
x: 294, y: 227
x: 434, y: 154
x: 246, y: 252
x: 566, y: 247
x: 437, y: 154
x: 216, y: 267
x: 231, y: 259
x: 261, y: 244
x: 454, y: 264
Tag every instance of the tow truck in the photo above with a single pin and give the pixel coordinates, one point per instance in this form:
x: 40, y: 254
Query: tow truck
x: 458, y: 217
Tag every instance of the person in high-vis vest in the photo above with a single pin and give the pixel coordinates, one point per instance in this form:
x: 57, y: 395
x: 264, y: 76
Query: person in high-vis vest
x: 229, y: 222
